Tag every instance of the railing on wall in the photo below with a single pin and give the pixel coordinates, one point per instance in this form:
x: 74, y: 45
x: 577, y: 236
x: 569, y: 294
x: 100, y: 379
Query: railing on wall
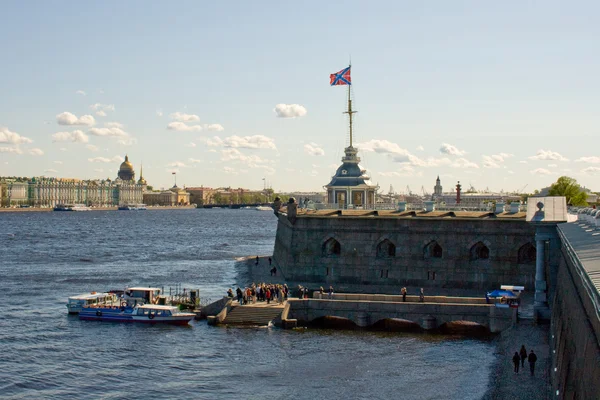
x: 409, y: 207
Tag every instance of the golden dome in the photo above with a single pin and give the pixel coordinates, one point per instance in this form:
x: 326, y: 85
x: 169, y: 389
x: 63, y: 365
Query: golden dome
x: 126, y: 165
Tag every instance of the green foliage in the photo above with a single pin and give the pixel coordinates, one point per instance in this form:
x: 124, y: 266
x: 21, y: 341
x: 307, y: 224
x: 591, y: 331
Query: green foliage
x: 568, y: 187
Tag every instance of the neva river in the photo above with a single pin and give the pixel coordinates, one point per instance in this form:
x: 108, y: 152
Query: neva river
x: 44, y: 353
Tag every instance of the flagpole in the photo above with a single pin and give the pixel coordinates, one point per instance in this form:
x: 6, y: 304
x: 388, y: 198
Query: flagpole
x: 350, y: 112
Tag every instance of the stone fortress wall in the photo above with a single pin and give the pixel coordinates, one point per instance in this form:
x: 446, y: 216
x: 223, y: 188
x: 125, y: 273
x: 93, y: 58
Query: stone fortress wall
x: 381, y: 253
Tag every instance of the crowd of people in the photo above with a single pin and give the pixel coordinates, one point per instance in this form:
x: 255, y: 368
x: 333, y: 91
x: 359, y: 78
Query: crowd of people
x: 520, y: 357
x: 261, y: 292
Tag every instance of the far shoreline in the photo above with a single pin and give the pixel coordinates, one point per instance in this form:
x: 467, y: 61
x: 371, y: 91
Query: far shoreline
x: 38, y: 209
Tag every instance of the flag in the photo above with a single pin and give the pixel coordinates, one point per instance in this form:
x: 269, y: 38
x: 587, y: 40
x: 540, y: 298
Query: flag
x: 340, y: 78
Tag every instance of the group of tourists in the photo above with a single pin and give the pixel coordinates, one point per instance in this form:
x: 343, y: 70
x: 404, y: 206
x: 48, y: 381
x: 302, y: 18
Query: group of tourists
x: 260, y: 292
x: 520, y: 357
x: 403, y: 292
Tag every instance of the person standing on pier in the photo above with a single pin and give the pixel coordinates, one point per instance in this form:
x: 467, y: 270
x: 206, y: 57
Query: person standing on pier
x: 403, y: 292
x: 516, y: 358
x: 421, y: 296
x: 256, y: 263
x: 330, y: 294
x: 532, y: 359
x: 523, y: 354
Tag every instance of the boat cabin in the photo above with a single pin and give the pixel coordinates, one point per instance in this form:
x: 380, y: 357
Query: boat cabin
x: 142, y: 295
x: 157, y: 310
x: 76, y: 303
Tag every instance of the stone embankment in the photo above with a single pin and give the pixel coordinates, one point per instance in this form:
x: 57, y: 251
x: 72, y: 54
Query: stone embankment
x: 35, y: 209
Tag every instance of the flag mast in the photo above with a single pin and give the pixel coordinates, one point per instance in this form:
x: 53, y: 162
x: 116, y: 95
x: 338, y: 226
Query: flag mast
x: 350, y: 112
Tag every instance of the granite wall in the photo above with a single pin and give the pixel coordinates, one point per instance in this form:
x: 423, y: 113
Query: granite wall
x: 381, y: 254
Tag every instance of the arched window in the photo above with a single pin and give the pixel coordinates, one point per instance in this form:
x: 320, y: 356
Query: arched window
x: 527, y: 254
x: 386, y: 249
x: 479, y: 251
x: 432, y: 250
x: 331, y: 248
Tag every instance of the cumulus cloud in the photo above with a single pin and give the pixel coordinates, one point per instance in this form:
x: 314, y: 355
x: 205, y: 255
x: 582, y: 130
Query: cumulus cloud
x: 591, y: 160
x: 548, y: 155
x: 230, y: 171
x: 66, y: 118
x: 105, y: 160
x: 182, y: 117
x: 313, y: 149
x: 80, y: 92
x: 247, y: 142
x: 215, y: 127
x: 36, y: 152
x: 540, y: 171
x: 591, y: 170
x: 194, y: 160
x: 397, y: 153
x: 9, y: 137
x: 101, y: 109
x: 101, y: 113
x: 289, y: 110
x: 464, y: 163
x: 113, y: 125
x: 495, y: 160
x: 76, y: 136
x: 10, y: 150
x: 159, y: 113
x: 191, y: 144
x: 451, y: 150
x: 251, y: 161
x: 112, y: 129
x: 182, y: 127
x: 420, y: 148
x: 91, y: 147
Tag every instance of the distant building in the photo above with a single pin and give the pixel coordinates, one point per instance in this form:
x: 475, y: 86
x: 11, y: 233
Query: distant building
x: 315, y: 197
x: 126, y: 172
x: 173, y: 197
x: 437, y: 189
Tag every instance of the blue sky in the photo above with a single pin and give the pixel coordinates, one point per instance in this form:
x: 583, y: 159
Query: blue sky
x: 494, y: 95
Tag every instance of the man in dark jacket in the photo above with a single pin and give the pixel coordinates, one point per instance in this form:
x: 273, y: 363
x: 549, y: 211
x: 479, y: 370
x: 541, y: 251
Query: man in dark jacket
x: 523, y: 354
x: 516, y: 358
x: 532, y: 359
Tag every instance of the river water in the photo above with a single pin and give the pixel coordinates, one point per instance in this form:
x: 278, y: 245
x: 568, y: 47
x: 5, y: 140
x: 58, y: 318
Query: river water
x: 44, y: 353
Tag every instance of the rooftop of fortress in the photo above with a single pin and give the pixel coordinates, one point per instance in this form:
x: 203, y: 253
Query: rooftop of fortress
x: 303, y: 213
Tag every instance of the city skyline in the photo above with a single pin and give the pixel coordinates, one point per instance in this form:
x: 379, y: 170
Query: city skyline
x: 497, y: 96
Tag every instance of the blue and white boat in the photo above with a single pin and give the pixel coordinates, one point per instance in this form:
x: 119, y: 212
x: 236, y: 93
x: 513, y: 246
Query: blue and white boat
x: 76, y: 303
x: 133, y: 207
x: 146, y: 314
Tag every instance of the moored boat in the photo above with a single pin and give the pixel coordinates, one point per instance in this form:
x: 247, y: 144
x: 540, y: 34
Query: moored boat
x: 133, y: 207
x: 71, y: 207
x: 264, y: 208
x: 146, y: 314
x: 76, y: 303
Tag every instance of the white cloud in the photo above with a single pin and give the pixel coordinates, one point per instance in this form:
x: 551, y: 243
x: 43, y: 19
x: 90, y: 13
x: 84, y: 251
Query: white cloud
x: 591, y: 160
x: 100, y: 113
x: 177, y: 164
x: 590, y: 170
x: 451, y: 150
x: 112, y: 129
x: 66, y: 118
x: 313, y: 149
x: 420, y: 148
x: 522, y: 162
x: 214, y: 127
x: 36, y: 152
x: 182, y: 117
x: 251, y: 161
x: 247, y: 142
x: 406, y: 170
x: 9, y: 137
x: 229, y: 170
x: 80, y: 92
x: 113, y: 125
x: 115, y: 159
x: 181, y: 127
x: 58, y: 162
x: 548, y: 155
x: 540, y: 171
x: 195, y: 160
x: 159, y: 113
x: 397, y: 153
x: 50, y: 170
x: 76, y: 136
x: 191, y: 144
x: 464, y: 163
x: 289, y: 110
x: 91, y: 147
x: 127, y: 141
x: 104, y: 107
x: 10, y: 150
x: 489, y: 162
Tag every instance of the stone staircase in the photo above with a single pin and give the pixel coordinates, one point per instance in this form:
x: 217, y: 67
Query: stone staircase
x: 252, y: 315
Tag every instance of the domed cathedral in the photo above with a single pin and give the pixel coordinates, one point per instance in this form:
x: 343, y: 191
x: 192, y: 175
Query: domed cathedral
x: 126, y: 172
x: 350, y: 187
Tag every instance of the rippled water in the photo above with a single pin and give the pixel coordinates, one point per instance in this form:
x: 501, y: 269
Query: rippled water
x: 44, y: 353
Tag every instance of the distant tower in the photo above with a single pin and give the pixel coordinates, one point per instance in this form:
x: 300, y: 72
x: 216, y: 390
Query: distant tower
x: 437, y: 189
x: 142, y: 181
x: 458, y: 187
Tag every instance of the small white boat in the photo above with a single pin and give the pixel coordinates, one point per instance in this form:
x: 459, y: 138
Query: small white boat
x: 147, y: 314
x: 76, y: 303
x: 264, y: 208
x: 71, y: 207
x: 133, y: 207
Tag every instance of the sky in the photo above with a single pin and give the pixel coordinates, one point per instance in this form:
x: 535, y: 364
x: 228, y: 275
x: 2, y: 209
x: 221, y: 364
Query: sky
x: 497, y: 95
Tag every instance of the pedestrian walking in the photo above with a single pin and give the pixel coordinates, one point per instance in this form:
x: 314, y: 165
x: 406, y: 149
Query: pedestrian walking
x: 421, y: 296
x: 270, y: 261
x: 403, y: 292
x: 516, y: 358
x: 532, y: 359
x: 330, y: 293
x: 523, y: 354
